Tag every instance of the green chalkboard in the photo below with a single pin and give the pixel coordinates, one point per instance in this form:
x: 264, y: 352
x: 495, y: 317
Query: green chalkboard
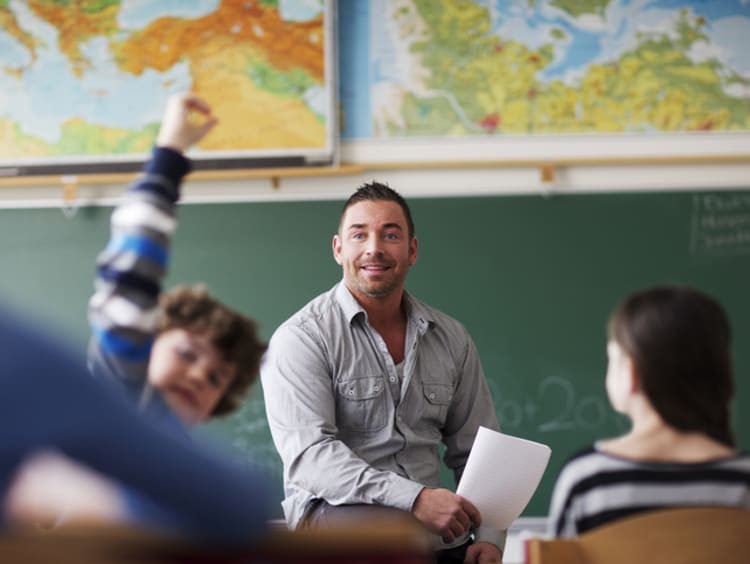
x: 533, y: 278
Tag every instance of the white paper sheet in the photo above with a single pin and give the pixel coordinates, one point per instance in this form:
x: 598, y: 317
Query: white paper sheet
x: 501, y: 474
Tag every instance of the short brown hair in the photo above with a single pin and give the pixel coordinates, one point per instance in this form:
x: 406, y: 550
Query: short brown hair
x: 375, y: 192
x: 234, y: 335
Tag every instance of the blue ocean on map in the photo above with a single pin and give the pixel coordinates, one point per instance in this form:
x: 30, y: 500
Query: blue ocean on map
x: 50, y: 93
x: 137, y: 14
x: 300, y: 10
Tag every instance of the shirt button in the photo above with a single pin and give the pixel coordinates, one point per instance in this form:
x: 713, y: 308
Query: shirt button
x: 392, y: 378
x: 432, y: 395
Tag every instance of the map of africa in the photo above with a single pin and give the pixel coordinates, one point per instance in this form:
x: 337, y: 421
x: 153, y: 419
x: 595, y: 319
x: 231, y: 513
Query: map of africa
x: 526, y: 67
x: 88, y: 81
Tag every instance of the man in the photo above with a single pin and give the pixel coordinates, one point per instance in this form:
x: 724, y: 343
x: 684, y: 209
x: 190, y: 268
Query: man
x: 363, y: 384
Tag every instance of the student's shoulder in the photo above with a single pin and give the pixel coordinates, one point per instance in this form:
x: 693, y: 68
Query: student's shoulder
x: 740, y: 462
x: 25, y: 336
x: 587, y: 458
x: 577, y: 467
x: 589, y: 451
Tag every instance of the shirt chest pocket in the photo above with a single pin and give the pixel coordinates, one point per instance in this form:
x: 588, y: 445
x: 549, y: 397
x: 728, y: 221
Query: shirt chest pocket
x: 360, y: 404
x: 437, y: 398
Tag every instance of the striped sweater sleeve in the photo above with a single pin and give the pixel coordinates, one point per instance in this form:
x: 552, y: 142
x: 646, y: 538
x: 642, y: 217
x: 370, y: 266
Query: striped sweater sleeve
x: 130, y: 271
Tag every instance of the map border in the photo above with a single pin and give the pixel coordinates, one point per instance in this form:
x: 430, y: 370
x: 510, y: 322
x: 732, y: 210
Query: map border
x: 587, y: 148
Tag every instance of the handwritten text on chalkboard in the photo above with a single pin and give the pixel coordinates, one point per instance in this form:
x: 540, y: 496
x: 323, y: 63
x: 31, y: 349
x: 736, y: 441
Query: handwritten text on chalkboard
x: 721, y: 224
x: 567, y: 410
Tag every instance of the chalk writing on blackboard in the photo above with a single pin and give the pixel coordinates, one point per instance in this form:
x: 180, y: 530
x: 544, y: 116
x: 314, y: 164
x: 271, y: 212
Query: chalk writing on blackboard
x: 721, y: 224
x: 569, y: 411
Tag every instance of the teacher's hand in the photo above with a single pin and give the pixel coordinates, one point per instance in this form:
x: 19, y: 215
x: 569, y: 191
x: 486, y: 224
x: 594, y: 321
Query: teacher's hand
x: 445, y: 513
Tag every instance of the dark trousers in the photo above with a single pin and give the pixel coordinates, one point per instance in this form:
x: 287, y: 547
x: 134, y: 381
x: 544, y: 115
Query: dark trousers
x: 322, y: 514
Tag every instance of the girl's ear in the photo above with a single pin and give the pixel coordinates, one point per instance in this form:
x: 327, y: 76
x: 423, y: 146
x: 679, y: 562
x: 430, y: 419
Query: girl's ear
x: 634, y: 378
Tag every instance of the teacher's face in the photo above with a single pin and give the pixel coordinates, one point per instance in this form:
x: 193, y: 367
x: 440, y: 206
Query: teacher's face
x: 374, y: 248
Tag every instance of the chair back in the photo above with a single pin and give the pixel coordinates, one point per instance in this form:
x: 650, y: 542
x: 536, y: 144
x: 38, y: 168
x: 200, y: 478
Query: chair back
x: 694, y: 535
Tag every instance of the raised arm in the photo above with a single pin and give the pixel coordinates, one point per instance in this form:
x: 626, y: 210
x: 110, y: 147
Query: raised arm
x: 130, y: 270
x: 186, y: 121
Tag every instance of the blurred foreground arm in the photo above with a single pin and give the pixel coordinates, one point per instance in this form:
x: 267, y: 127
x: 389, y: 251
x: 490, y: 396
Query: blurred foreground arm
x: 49, y: 402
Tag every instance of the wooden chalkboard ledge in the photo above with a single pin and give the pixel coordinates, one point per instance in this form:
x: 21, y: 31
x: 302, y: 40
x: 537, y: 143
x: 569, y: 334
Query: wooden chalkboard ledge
x: 70, y: 183
x: 235, y: 174
x: 351, y: 168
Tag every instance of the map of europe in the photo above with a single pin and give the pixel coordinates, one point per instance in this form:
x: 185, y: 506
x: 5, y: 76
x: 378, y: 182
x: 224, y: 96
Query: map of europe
x: 531, y: 67
x: 90, y: 80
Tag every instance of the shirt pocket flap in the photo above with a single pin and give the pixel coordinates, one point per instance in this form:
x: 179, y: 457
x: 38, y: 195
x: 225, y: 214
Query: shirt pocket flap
x: 361, y: 388
x: 437, y: 394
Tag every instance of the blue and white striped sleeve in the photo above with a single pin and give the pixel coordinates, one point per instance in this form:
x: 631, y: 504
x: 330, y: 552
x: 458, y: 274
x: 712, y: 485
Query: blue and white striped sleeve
x: 130, y: 271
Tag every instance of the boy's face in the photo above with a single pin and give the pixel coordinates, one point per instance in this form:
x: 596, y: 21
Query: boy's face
x: 190, y: 374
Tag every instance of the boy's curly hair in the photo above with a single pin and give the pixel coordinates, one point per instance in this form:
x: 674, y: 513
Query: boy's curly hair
x: 234, y: 335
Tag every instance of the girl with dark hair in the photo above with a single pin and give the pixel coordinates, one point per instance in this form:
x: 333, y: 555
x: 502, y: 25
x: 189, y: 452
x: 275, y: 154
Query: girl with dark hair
x: 670, y: 372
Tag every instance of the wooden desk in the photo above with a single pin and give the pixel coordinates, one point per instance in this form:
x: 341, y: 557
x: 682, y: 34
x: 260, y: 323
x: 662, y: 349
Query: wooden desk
x: 397, y: 543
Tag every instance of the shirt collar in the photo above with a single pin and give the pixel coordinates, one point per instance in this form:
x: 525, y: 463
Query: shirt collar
x: 415, y: 310
x: 347, y: 302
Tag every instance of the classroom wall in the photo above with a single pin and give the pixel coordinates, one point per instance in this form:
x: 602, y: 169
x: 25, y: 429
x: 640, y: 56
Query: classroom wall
x: 528, y: 240
x: 533, y: 278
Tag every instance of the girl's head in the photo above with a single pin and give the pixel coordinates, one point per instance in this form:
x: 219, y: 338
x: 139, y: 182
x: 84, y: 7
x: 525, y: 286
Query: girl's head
x: 679, y: 342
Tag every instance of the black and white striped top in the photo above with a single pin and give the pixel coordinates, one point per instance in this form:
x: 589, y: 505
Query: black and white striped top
x: 594, y: 488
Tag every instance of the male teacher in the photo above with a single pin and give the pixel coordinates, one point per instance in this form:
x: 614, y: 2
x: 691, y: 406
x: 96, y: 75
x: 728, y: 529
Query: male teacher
x: 364, y: 382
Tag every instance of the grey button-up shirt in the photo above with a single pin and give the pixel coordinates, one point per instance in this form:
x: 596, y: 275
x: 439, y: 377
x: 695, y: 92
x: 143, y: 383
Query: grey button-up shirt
x: 349, y: 429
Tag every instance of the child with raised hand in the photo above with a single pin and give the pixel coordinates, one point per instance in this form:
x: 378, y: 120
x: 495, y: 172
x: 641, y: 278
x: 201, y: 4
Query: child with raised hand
x: 185, y: 356
x: 198, y: 355
x: 670, y: 372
